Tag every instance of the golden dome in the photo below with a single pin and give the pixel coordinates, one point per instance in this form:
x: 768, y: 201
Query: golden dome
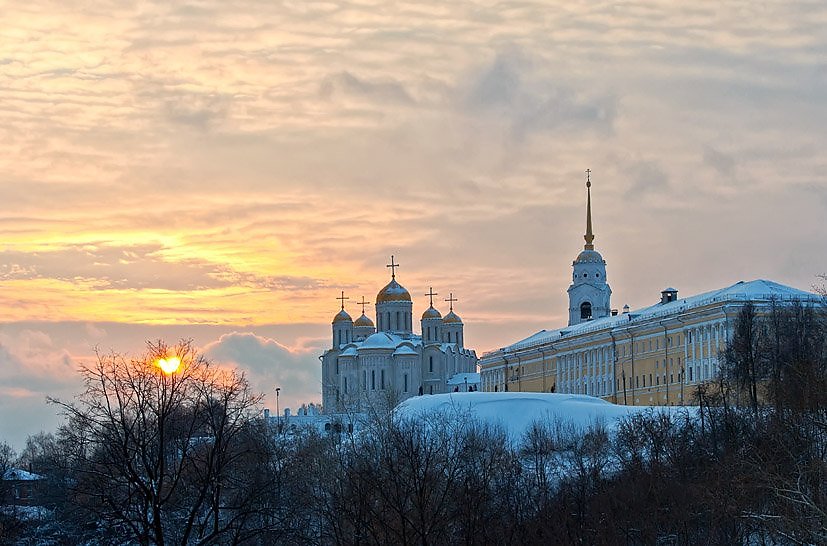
x: 363, y: 321
x: 342, y: 316
x: 393, y: 291
x: 452, y: 318
x: 431, y: 313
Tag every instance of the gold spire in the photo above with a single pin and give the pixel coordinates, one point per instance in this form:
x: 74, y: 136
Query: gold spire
x: 589, y: 235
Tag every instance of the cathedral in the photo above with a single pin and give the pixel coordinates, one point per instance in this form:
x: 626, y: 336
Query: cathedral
x: 657, y: 355
x: 379, y: 365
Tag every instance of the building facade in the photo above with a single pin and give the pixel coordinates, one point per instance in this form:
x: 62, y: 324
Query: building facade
x: 653, y: 356
x: 376, y: 366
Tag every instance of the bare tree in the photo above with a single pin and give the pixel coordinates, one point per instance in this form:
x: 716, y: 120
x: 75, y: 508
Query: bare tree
x: 7, y: 457
x: 162, y: 455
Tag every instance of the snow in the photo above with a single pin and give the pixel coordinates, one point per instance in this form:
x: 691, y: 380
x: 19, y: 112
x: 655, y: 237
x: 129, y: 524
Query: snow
x: 405, y: 349
x: 16, y: 474
x: 464, y: 378
x: 517, y: 412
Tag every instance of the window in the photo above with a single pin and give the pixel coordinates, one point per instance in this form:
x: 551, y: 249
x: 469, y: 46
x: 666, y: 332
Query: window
x: 373, y: 380
x: 657, y: 364
x: 364, y: 380
x: 650, y: 380
x: 406, y: 382
x: 585, y: 310
x: 637, y: 381
x: 382, y: 379
x: 345, y: 385
x: 337, y: 367
x: 657, y: 379
x: 431, y: 389
x: 690, y: 373
x: 431, y: 364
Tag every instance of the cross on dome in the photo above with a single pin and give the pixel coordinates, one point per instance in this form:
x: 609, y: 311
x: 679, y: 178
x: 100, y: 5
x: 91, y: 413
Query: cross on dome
x: 451, y: 299
x: 393, y: 267
x: 343, y: 298
x: 431, y: 293
x: 363, y: 303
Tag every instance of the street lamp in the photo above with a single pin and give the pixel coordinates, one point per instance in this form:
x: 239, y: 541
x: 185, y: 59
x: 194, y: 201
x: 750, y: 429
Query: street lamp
x: 278, y: 415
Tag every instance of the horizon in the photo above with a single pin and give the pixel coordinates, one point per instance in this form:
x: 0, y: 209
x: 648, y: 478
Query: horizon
x: 221, y: 171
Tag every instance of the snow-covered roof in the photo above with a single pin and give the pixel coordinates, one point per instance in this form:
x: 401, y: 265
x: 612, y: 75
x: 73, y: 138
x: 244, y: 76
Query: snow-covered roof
x: 18, y: 475
x: 463, y: 378
x: 517, y: 411
x: 757, y: 290
x: 386, y: 341
x: 404, y: 349
x: 350, y: 350
x: 379, y: 340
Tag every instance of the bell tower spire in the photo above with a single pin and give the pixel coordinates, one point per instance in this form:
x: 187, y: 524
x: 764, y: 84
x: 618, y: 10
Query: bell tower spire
x: 589, y: 236
x: 589, y: 293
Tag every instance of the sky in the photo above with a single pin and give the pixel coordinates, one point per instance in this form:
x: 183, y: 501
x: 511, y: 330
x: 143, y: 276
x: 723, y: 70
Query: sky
x: 220, y: 170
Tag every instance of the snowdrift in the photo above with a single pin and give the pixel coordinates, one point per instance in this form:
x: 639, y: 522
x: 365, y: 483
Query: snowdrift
x: 516, y: 412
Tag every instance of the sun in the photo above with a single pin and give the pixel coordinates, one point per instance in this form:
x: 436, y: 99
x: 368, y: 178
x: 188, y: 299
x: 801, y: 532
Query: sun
x: 169, y: 365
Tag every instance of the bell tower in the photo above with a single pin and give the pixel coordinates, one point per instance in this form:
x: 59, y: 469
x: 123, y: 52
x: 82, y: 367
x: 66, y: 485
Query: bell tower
x: 589, y: 293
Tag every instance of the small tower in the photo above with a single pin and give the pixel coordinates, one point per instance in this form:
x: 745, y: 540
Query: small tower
x: 342, y: 325
x: 589, y: 293
x: 363, y: 326
x: 431, y: 322
x: 452, y: 325
x: 394, y: 308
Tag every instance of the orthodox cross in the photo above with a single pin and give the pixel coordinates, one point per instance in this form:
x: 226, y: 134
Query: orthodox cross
x: 343, y: 298
x: 432, y: 294
x: 363, y: 303
x: 588, y: 177
x: 451, y: 299
x: 393, y: 267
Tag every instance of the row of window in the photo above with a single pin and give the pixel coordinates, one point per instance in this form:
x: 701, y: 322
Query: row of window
x: 373, y: 382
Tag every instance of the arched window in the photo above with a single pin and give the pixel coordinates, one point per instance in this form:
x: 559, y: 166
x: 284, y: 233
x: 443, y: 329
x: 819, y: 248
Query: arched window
x: 585, y: 310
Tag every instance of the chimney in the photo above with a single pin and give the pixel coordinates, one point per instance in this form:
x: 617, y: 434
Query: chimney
x: 668, y: 295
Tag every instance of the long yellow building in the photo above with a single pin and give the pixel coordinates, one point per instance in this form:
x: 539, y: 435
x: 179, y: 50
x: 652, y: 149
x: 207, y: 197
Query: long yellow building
x: 652, y: 356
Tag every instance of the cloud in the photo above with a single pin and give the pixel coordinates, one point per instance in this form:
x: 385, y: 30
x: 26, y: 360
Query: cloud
x: 381, y: 91
x: 529, y: 99
x: 32, y: 368
x: 269, y: 364
x: 721, y: 162
x: 646, y: 177
x: 108, y: 266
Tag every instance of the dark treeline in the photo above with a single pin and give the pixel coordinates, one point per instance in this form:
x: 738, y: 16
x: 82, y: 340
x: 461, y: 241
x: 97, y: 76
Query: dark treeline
x: 748, y: 465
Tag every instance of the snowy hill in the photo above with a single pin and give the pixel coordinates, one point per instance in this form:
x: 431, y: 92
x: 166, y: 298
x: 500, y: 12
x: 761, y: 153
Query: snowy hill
x: 517, y: 411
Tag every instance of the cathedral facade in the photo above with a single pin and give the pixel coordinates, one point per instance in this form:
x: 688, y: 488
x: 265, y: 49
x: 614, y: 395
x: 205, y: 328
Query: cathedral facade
x: 657, y: 355
x: 377, y: 365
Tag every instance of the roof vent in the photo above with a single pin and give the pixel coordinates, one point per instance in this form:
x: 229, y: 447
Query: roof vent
x: 625, y: 308
x: 668, y: 294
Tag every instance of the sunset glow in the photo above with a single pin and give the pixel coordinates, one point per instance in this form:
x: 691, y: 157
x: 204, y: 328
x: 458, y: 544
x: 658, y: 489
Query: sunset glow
x: 222, y: 170
x: 169, y: 365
